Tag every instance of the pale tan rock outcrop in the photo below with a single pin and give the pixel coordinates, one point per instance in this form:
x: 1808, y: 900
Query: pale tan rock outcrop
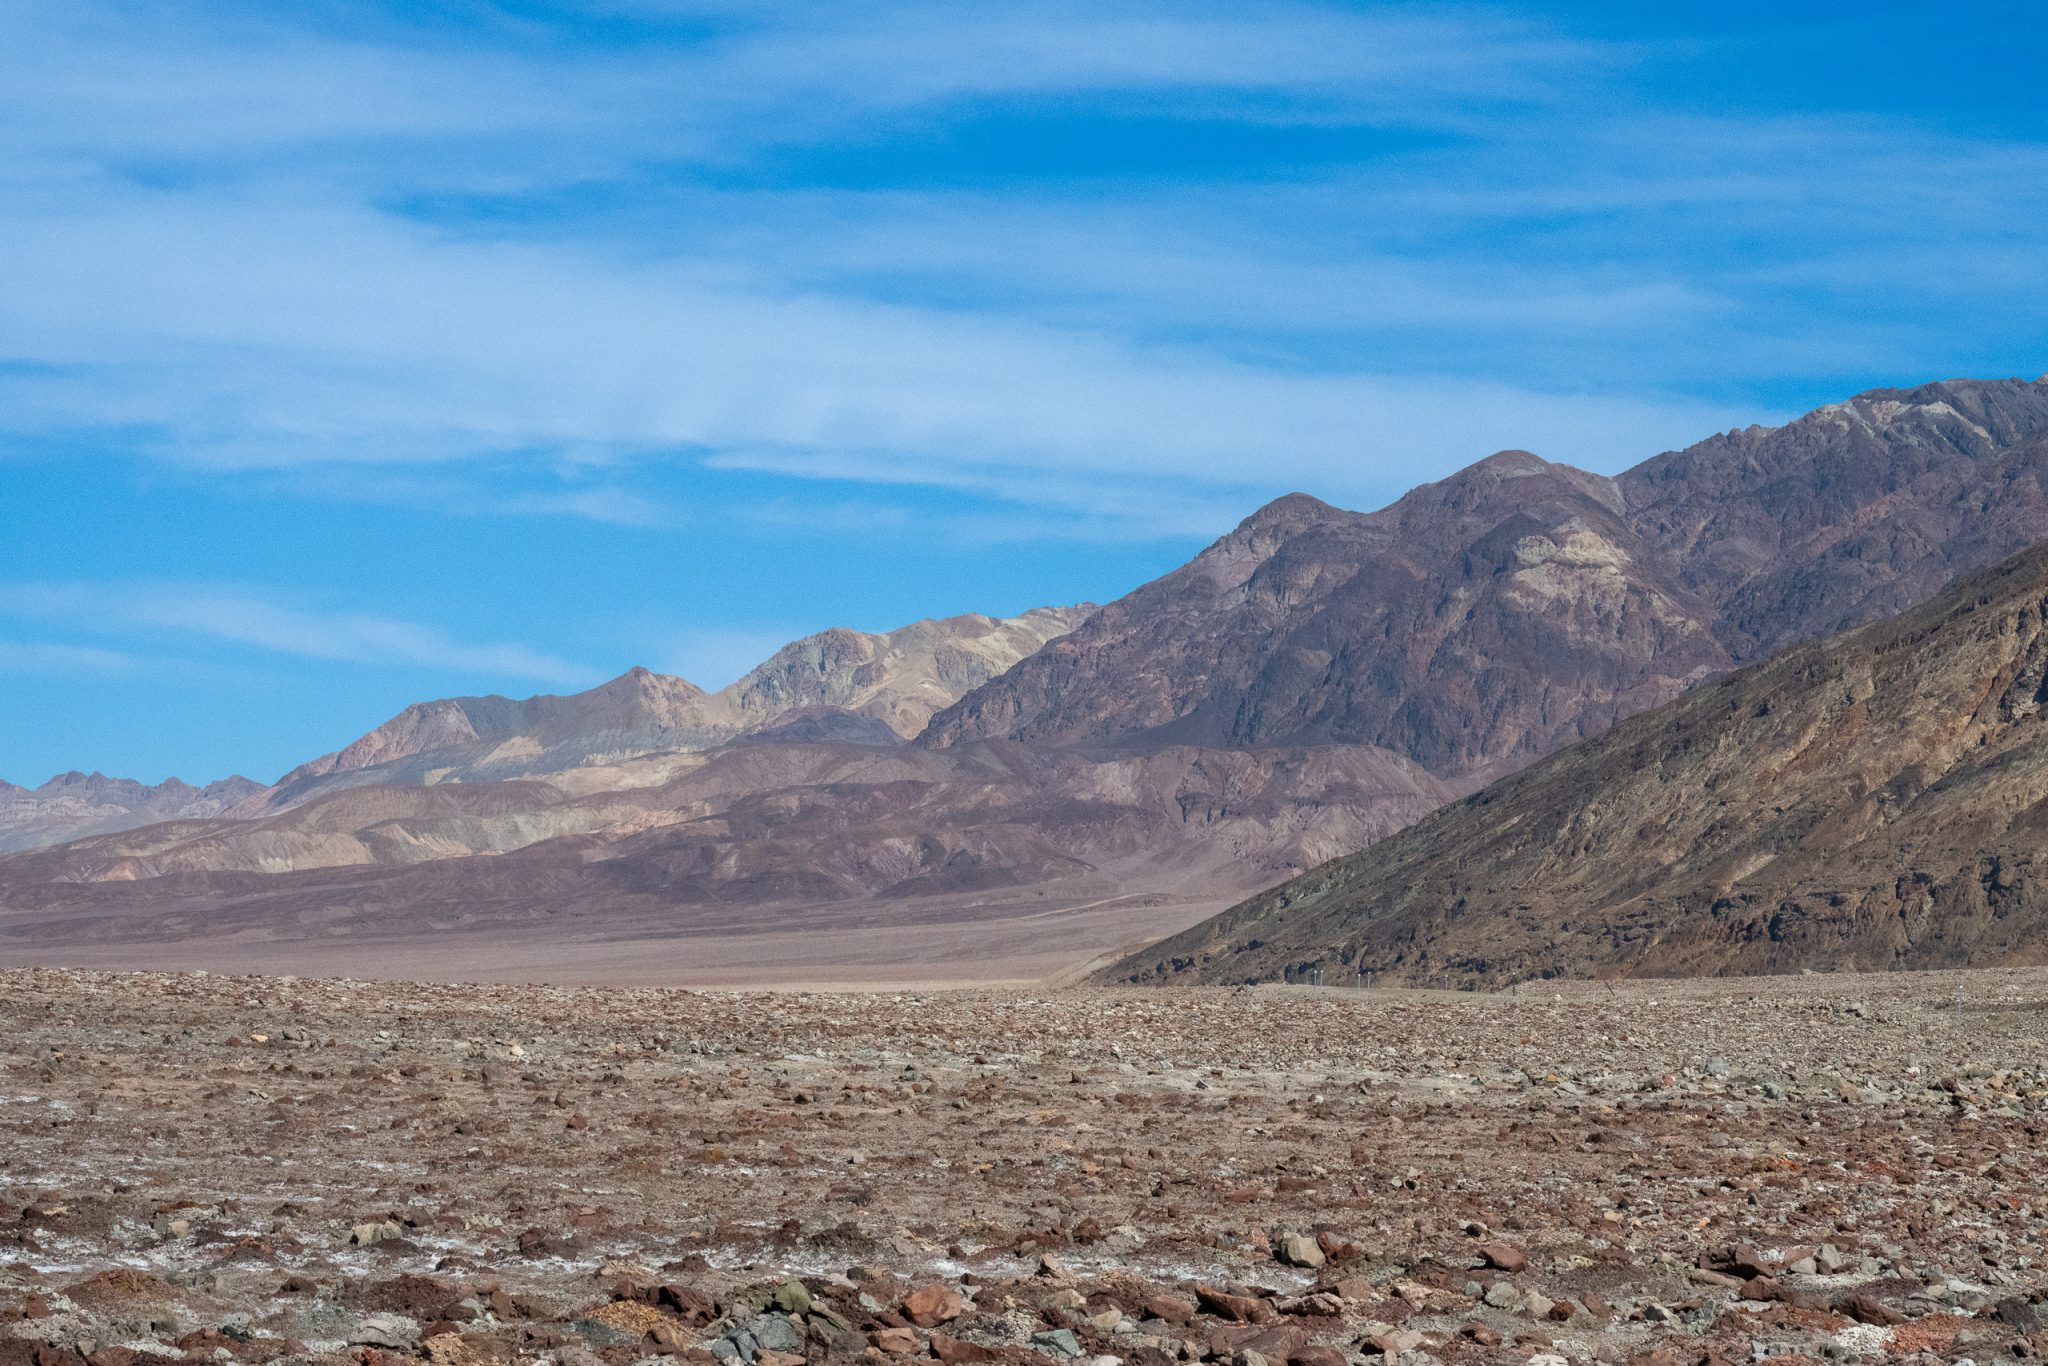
x: 604, y: 738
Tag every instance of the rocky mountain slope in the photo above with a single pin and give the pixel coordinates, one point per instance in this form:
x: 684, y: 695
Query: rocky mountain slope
x: 870, y: 685
x: 1875, y: 801
x: 1520, y: 605
x: 73, y: 805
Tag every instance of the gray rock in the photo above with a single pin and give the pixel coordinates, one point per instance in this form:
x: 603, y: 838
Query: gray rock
x: 1123, y: 1240
x: 598, y: 1333
x: 1298, y: 1249
x: 1502, y: 1295
x: 394, y: 1332
x: 775, y: 1333
x: 1061, y: 1342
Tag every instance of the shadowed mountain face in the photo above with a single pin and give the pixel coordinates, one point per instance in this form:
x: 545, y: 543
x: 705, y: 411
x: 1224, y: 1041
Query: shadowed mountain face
x: 1521, y: 605
x: 1879, y: 800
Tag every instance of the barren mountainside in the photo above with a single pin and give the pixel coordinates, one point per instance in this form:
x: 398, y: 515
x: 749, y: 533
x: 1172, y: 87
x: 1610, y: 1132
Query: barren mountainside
x: 1520, y: 605
x: 1875, y: 801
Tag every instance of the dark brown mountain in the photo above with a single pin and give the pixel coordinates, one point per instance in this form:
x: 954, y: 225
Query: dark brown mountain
x: 1879, y: 800
x: 1520, y: 605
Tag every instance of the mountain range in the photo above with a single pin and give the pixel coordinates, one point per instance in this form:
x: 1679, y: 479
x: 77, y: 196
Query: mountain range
x: 857, y: 686
x: 1312, y: 682
x: 1519, y: 605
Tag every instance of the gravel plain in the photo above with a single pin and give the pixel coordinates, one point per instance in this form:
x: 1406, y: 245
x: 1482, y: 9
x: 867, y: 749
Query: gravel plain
x: 1811, y: 1168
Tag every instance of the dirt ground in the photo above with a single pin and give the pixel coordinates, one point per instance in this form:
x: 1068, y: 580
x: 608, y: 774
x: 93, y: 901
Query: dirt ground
x: 1005, y: 939
x: 248, y: 1169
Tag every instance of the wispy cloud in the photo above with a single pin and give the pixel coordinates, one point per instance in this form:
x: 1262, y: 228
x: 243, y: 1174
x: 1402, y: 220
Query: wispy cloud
x: 238, y: 616
x: 519, y: 103
x: 33, y: 656
x: 616, y: 506
x: 253, y: 240
x: 264, y: 335
x: 478, y: 489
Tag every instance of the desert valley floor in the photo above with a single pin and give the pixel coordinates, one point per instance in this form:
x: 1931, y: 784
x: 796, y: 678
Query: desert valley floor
x: 1815, y: 1167
x: 1013, y: 937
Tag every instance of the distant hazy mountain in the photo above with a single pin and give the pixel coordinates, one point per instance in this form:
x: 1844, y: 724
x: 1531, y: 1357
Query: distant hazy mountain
x: 1879, y: 800
x: 75, y: 804
x: 769, y: 821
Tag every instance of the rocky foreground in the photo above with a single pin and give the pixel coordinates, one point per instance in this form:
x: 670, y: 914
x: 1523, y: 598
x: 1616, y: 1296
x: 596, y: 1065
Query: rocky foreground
x: 244, y: 1169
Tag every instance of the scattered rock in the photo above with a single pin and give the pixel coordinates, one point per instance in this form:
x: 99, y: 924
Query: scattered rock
x: 1298, y: 1249
x: 932, y: 1305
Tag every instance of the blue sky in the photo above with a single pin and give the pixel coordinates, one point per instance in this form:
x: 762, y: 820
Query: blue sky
x: 357, y: 353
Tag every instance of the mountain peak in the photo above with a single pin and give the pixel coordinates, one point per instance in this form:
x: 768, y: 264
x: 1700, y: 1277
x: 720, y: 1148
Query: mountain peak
x: 641, y: 681
x: 1521, y: 603
x: 900, y: 678
x: 1512, y: 462
x: 1289, y: 509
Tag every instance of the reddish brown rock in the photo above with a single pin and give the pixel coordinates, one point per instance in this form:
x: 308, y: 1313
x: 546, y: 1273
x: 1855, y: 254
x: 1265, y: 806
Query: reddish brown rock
x: 1867, y: 1308
x: 1170, y: 1308
x: 1239, y: 1308
x: 955, y: 1352
x: 1317, y: 1354
x: 693, y: 1307
x: 1504, y: 1257
x: 933, y: 1305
